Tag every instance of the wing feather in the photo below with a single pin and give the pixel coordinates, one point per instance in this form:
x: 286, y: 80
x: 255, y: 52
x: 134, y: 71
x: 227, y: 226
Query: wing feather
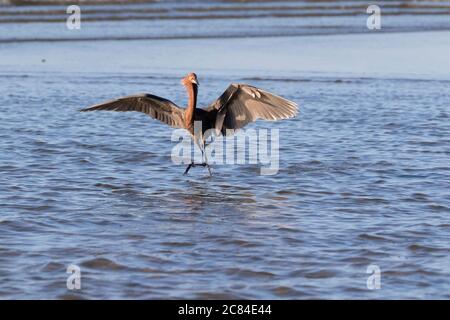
x: 241, y: 104
x: 156, y: 107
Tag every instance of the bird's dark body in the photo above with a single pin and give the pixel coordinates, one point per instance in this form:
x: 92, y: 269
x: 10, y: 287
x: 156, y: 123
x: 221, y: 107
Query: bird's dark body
x: 205, y: 118
x: 239, y: 105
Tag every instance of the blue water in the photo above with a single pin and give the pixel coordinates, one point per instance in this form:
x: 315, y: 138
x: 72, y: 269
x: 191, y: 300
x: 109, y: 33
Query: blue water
x: 364, y: 180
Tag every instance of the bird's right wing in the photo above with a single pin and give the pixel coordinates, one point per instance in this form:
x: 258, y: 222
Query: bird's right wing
x: 158, y: 108
x: 241, y: 104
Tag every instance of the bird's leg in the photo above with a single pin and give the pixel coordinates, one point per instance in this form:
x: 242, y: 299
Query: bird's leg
x: 189, y: 167
x: 206, y: 160
x: 192, y: 164
x: 203, y: 164
x: 203, y: 154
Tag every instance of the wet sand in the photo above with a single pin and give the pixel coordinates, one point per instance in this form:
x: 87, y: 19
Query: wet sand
x: 420, y: 55
x: 222, y: 19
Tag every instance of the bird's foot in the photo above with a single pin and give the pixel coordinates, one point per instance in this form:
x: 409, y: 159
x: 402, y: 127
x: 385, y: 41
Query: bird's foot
x: 188, y: 168
x: 201, y: 164
x: 206, y: 165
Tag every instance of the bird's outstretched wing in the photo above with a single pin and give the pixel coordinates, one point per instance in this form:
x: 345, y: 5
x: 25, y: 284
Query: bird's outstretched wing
x: 158, y: 108
x: 241, y: 104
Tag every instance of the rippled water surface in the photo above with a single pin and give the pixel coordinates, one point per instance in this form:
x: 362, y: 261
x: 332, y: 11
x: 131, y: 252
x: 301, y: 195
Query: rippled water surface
x: 364, y: 179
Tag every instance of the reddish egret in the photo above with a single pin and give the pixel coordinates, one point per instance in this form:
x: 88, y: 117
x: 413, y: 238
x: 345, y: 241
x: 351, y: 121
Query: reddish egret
x: 239, y: 105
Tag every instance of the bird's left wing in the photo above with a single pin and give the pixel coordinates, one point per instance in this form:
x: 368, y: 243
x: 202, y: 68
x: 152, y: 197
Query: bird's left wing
x: 241, y: 104
x: 158, y: 108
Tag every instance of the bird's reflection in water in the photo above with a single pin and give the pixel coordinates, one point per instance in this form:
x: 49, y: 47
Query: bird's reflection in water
x: 203, y: 195
x: 215, y: 197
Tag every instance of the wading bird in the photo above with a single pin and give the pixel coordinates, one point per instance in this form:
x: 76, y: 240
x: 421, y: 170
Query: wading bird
x: 239, y: 105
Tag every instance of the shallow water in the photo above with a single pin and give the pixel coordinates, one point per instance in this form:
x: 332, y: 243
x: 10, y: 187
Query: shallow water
x: 361, y: 182
x: 364, y: 179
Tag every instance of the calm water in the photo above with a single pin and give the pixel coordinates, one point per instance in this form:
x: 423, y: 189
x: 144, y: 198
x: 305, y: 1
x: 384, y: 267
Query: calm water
x: 364, y: 179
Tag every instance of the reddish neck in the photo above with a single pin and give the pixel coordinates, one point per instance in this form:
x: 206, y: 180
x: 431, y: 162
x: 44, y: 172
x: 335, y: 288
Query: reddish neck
x: 192, y: 103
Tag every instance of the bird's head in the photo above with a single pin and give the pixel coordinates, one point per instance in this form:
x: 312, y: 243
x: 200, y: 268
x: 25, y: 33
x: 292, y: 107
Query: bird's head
x: 191, y: 78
